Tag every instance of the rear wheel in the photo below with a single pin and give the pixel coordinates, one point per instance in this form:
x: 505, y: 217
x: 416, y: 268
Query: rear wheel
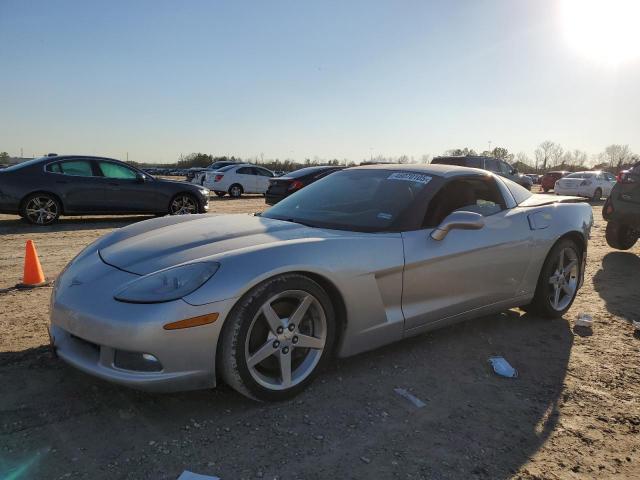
x: 183, y: 204
x: 558, y: 281
x: 277, y: 338
x: 620, y: 236
x: 40, y: 209
x: 597, y: 195
x: 235, y: 191
x: 546, y: 190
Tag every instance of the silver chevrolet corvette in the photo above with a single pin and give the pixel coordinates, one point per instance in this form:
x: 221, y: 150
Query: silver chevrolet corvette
x: 362, y: 258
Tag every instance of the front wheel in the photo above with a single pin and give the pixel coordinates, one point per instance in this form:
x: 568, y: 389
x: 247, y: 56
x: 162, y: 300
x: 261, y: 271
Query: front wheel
x: 40, y: 209
x: 220, y: 194
x: 558, y: 282
x: 619, y: 236
x: 183, y: 204
x: 277, y: 338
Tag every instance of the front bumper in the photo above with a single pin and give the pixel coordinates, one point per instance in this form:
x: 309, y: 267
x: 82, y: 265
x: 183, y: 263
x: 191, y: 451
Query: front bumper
x: 89, y: 328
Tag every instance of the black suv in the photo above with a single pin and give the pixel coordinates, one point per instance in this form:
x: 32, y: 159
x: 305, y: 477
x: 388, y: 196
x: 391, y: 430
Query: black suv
x: 499, y: 167
x: 622, y: 210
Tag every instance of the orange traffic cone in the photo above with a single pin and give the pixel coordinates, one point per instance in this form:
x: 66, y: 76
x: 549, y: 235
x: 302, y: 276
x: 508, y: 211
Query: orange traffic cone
x: 33, y: 275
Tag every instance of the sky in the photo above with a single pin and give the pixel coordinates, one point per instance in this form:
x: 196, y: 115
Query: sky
x: 326, y: 79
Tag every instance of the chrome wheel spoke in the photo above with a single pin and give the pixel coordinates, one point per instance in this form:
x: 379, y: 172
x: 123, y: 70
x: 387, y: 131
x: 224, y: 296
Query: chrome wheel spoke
x: 300, y: 312
x: 272, y: 318
x: 561, y: 261
x: 306, y: 341
x: 285, y: 369
x: 570, y: 265
x: 265, y: 351
x: 556, y: 296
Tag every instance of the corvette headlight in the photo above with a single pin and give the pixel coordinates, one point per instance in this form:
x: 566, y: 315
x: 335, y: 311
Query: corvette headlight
x: 169, y: 284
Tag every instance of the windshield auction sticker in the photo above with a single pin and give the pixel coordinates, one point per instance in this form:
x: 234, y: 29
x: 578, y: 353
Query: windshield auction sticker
x: 410, y: 177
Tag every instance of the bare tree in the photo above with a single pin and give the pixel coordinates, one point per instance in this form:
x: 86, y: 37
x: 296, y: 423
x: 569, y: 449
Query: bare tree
x: 617, y: 155
x: 548, y: 152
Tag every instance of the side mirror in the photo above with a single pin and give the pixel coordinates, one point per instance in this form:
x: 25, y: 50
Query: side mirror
x: 458, y: 221
x: 141, y: 178
x: 514, y: 171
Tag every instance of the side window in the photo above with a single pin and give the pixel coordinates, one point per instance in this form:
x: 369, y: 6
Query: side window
x: 245, y: 171
x: 474, y: 162
x: 263, y: 173
x: 114, y: 170
x: 54, y: 168
x: 505, y: 169
x: 76, y: 168
x: 469, y: 194
x: 491, y: 164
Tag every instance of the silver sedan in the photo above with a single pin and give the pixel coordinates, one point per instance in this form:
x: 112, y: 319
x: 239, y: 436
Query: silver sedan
x: 365, y: 257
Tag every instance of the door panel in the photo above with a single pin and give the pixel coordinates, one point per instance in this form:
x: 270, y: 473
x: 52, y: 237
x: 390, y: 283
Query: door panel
x: 469, y: 269
x: 80, y: 190
x: 125, y: 193
x: 246, y: 177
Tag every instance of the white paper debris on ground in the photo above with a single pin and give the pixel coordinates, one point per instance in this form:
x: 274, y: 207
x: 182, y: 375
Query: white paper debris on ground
x: 584, y: 320
x: 636, y: 325
x: 502, y: 367
x: 187, y: 475
x: 412, y: 398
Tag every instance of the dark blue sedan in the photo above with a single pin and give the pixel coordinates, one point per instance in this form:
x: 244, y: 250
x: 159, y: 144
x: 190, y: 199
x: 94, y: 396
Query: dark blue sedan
x: 42, y: 189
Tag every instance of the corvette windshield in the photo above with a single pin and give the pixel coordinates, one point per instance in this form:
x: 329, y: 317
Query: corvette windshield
x: 361, y: 200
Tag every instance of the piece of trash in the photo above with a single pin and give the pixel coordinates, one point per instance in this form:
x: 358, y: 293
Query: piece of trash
x: 584, y: 320
x: 187, y: 475
x: 636, y: 325
x: 412, y: 398
x: 502, y: 367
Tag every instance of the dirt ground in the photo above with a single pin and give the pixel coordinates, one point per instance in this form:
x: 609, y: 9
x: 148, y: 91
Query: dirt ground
x: 574, y: 411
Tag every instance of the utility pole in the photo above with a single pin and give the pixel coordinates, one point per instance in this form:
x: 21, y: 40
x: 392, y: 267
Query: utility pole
x: 489, y: 146
x: 127, y: 157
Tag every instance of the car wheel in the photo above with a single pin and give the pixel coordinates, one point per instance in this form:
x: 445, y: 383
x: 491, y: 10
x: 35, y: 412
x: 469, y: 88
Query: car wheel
x: 41, y: 209
x: 620, y: 236
x: 546, y: 190
x: 183, y: 204
x: 277, y: 338
x: 221, y: 194
x: 235, y: 191
x: 597, y: 195
x: 558, y: 281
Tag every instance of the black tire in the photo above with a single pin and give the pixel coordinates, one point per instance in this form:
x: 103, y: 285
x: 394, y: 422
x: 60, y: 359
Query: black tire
x: 541, y: 303
x: 232, y: 361
x: 546, y: 190
x: 184, y: 204
x: 41, y: 209
x: 597, y: 194
x: 220, y: 194
x: 236, y: 190
x: 620, y: 236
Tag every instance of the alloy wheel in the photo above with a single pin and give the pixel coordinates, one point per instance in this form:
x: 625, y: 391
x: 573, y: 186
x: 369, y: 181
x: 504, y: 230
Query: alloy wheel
x: 286, y: 339
x: 563, y: 283
x: 183, y: 205
x: 41, y: 210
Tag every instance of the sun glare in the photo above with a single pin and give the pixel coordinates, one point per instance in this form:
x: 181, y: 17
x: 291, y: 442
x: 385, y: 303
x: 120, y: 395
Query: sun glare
x: 604, y: 31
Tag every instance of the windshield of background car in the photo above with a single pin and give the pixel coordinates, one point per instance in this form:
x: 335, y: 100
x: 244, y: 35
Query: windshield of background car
x: 581, y: 175
x: 360, y: 200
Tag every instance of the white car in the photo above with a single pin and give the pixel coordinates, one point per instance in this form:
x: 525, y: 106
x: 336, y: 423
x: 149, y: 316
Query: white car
x: 593, y: 185
x: 238, y: 179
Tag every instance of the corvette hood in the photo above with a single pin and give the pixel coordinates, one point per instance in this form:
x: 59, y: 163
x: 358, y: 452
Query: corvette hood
x: 152, y: 245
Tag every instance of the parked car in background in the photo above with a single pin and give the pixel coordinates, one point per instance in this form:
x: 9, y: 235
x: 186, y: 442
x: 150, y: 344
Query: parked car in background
x: 549, y: 179
x: 199, y: 176
x: 42, y: 189
x: 497, y: 166
x: 363, y: 258
x: 284, y: 186
x: 237, y: 179
x: 593, y: 185
x: 534, y: 177
x: 622, y: 210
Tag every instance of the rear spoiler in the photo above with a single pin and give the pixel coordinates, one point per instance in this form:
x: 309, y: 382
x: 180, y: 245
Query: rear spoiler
x: 542, y: 199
